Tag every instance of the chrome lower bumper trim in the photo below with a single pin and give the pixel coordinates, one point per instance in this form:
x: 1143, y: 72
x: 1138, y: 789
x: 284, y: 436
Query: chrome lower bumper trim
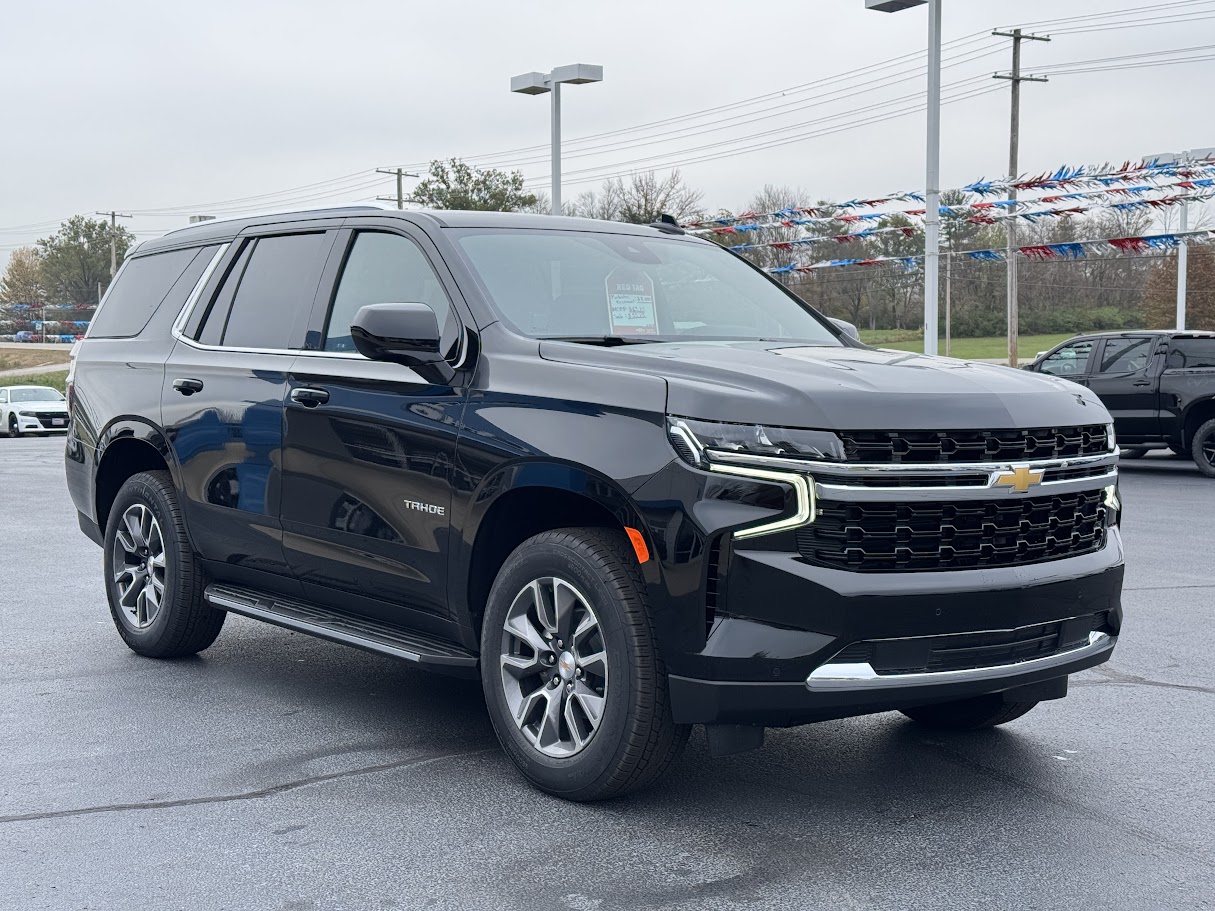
x: 864, y: 677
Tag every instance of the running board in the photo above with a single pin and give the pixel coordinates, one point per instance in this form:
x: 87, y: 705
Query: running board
x: 361, y: 632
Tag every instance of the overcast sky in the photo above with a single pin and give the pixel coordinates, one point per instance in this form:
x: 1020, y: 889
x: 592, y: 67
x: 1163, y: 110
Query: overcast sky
x: 152, y: 105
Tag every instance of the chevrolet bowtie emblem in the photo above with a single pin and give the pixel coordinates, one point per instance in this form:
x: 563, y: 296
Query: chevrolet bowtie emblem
x: 1020, y: 479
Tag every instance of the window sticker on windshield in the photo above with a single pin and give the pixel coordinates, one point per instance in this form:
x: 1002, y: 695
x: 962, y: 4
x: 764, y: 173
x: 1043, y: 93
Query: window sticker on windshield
x: 630, y: 297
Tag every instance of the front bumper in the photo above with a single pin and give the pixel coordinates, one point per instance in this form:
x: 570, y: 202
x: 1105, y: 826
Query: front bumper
x: 768, y: 659
x: 35, y: 425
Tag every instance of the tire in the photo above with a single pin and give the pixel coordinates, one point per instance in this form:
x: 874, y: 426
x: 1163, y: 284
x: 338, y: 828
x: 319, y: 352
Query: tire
x: 14, y: 429
x: 1137, y: 452
x: 181, y: 622
x: 594, y: 573
x: 969, y: 714
x: 1202, y: 448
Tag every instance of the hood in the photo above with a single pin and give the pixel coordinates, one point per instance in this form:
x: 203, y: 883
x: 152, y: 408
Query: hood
x: 843, y: 388
x: 47, y: 406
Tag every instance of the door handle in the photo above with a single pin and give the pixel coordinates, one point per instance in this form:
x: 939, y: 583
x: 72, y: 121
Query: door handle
x: 1142, y: 383
x: 309, y: 396
x: 188, y: 386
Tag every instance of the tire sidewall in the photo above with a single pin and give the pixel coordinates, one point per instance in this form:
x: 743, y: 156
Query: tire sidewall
x: 593, y: 762
x: 1200, y: 436
x: 139, y: 489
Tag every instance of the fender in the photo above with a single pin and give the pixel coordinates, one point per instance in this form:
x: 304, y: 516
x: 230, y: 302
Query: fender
x: 1204, y: 400
x: 534, y: 474
x: 134, y: 427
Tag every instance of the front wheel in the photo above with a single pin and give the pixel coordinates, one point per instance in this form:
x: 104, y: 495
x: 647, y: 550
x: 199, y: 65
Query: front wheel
x: 576, y: 688
x: 1132, y: 452
x: 969, y: 714
x: 153, y: 580
x: 14, y: 429
x: 1203, y: 448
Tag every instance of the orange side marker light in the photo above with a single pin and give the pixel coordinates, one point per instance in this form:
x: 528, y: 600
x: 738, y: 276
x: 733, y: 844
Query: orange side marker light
x: 643, y: 552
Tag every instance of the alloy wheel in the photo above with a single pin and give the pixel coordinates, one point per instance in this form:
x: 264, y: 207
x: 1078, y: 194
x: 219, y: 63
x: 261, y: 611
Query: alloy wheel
x: 554, y: 667
x: 139, y: 565
x: 1208, y: 449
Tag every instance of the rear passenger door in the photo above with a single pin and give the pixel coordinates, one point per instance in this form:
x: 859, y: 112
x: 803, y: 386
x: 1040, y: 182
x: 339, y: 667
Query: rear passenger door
x: 367, y: 469
x: 223, y: 393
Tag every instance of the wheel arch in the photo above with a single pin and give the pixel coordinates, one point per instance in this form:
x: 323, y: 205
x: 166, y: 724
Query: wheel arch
x: 1197, y: 414
x: 518, y: 501
x: 127, y: 447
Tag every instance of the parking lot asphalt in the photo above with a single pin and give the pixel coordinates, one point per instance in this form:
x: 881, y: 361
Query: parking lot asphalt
x: 276, y: 771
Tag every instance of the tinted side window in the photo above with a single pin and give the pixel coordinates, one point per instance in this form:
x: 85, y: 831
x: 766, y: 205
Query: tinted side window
x: 143, y: 285
x: 276, y: 289
x: 1125, y: 355
x: 384, y: 269
x: 216, y: 316
x: 1192, y: 352
x: 1069, y: 360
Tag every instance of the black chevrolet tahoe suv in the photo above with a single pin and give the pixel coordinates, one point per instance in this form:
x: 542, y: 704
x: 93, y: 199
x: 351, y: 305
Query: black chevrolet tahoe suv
x: 618, y: 473
x: 1159, y: 386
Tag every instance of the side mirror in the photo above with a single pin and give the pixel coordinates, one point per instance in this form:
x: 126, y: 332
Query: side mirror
x: 846, y: 327
x: 403, y: 333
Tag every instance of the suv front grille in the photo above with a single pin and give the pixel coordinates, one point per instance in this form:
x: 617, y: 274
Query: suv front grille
x: 966, y: 651
x: 953, y: 446
x: 964, y: 534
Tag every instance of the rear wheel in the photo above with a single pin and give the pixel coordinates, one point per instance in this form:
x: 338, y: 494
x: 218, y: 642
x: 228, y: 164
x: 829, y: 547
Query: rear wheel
x: 969, y: 714
x: 576, y: 689
x: 1203, y: 448
x: 153, y: 580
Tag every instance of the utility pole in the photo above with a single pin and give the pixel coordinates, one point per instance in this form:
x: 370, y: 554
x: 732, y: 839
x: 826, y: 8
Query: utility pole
x: 114, y: 216
x: 948, y: 293
x: 1014, y: 142
x: 400, y: 188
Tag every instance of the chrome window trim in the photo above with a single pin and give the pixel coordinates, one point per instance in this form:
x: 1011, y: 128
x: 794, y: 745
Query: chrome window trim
x: 862, y: 676
x: 802, y: 485
x: 183, y: 317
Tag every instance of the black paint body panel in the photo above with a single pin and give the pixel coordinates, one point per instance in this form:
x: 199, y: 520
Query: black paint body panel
x: 377, y: 500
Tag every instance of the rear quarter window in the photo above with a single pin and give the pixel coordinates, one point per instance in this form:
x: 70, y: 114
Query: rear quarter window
x: 143, y: 286
x: 1191, y: 352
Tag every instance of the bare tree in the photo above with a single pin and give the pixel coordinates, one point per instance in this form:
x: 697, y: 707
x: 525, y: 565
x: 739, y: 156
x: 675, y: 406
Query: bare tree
x: 639, y: 200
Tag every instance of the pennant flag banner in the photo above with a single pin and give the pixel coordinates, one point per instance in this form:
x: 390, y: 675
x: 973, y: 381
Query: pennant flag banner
x: 1041, y: 252
x: 1100, y: 180
x: 986, y: 212
x: 908, y: 231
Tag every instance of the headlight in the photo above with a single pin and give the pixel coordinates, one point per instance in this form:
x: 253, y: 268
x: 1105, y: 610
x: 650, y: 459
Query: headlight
x: 1109, y: 433
x: 690, y: 438
x: 26, y: 414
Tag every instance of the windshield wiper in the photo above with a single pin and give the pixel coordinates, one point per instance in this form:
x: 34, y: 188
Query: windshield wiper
x: 607, y: 341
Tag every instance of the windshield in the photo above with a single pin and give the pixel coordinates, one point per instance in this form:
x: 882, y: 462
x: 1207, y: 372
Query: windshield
x: 35, y: 394
x: 576, y: 284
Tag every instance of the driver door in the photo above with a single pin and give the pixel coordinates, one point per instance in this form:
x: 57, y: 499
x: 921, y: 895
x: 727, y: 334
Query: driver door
x: 368, y: 460
x: 1069, y: 362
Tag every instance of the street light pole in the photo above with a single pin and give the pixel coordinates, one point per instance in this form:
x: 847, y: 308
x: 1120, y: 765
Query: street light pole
x: 932, y: 198
x: 556, y: 140
x: 538, y: 84
x: 932, y: 195
x: 1182, y: 248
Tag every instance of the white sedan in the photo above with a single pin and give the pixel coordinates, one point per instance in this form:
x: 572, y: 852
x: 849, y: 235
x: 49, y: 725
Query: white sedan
x: 32, y: 409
